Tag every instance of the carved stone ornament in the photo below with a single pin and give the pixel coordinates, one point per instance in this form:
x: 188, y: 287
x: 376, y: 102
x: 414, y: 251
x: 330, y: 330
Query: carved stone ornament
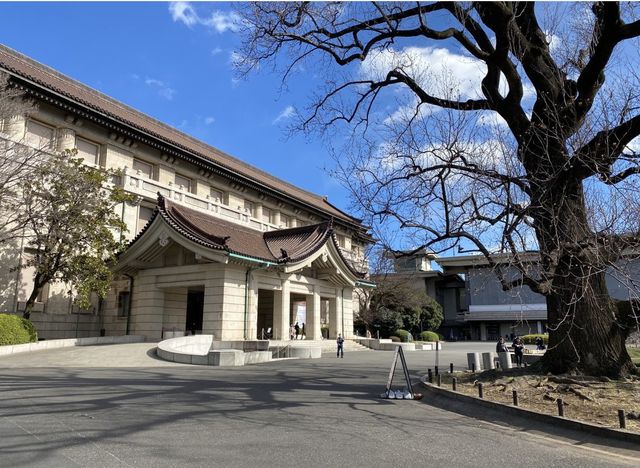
x: 163, y: 239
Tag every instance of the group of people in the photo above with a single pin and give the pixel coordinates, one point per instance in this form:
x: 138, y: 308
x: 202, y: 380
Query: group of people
x: 297, y: 332
x: 517, y: 345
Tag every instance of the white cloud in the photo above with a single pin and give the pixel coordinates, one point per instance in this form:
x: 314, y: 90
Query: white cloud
x: 286, y: 114
x: 209, y: 120
x: 162, y: 88
x: 183, y: 12
x: 219, y: 21
x: 216, y: 51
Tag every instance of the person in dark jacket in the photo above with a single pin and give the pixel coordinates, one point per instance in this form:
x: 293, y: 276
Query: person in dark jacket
x: 340, y: 343
x: 518, y: 349
x: 501, y: 346
x: 297, y: 329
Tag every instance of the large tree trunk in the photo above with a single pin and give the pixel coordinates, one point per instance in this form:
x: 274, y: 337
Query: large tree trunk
x: 585, y: 333
x: 38, y: 284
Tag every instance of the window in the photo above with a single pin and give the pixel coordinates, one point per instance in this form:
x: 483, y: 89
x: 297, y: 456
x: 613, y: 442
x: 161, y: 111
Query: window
x: 124, y: 302
x: 267, y: 215
x: 342, y: 241
x: 183, y: 182
x: 88, y: 151
x: 144, y: 215
x: 143, y: 168
x: 216, y: 195
x: 285, y: 221
x: 39, y: 135
x: 250, y: 208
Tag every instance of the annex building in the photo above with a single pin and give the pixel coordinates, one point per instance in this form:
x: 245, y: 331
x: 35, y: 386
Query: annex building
x: 216, y: 246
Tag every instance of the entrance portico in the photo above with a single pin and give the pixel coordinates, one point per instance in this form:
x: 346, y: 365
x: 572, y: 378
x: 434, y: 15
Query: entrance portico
x: 192, y: 271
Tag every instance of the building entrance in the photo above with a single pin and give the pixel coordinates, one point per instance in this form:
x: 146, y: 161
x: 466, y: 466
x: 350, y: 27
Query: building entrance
x: 195, y: 305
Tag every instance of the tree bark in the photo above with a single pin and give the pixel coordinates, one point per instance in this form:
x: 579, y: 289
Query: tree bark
x: 38, y: 284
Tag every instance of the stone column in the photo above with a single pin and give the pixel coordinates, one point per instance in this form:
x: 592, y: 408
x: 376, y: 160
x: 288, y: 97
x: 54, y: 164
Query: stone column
x: 539, y: 326
x: 281, y: 312
x: 147, y: 308
x: 276, y: 218
x: 66, y: 139
x: 483, y: 331
x: 312, y: 326
x: 213, y: 304
x: 335, y: 326
x: 252, y: 309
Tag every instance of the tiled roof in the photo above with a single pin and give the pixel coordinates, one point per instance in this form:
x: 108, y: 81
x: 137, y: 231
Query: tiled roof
x: 50, y: 79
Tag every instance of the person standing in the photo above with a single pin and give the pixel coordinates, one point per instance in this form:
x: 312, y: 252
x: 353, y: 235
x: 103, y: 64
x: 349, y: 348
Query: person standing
x: 292, y: 332
x: 518, y: 349
x: 297, y: 329
x: 304, y: 333
x: 340, y: 343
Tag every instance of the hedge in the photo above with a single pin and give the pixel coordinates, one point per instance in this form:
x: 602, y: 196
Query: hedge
x: 395, y: 339
x: 431, y: 336
x: 404, y: 335
x: 531, y: 339
x: 16, y: 330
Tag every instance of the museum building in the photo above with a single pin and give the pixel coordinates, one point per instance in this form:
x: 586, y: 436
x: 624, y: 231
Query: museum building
x: 217, y: 246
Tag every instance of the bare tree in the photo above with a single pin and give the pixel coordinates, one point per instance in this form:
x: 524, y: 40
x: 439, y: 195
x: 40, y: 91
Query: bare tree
x: 17, y: 160
x: 537, y: 153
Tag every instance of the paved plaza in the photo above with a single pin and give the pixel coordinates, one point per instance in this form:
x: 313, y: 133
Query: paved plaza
x: 118, y: 405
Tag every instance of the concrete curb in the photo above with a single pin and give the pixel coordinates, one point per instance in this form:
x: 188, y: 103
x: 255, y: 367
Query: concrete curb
x: 557, y: 421
x: 52, y: 344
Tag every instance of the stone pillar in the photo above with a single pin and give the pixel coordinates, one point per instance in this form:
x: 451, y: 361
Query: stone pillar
x: 213, y: 304
x: 488, y: 360
x: 505, y: 360
x: 66, y: 139
x: 281, y: 312
x: 334, y: 323
x: 539, y: 326
x: 312, y: 327
x: 147, y: 308
x: 483, y: 331
x: 258, y: 211
x: 276, y: 218
x: 473, y: 359
x: 345, y: 313
x: 252, y: 309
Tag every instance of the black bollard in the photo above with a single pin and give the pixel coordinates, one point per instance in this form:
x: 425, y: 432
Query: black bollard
x: 515, y: 397
x: 430, y: 375
x: 436, y: 369
x: 451, y: 368
x: 621, y: 418
x: 454, y: 383
x: 439, y: 380
x: 560, y: 407
x: 473, y: 367
x: 480, y: 390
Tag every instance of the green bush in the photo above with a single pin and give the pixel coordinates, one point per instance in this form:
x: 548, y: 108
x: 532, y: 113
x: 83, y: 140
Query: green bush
x: 531, y: 339
x: 395, y: 339
x: 404, y: 335
x: 16, y: 330
x: 431, y: 336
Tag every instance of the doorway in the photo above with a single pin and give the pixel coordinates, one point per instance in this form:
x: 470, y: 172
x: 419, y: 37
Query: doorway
x: 195, y: 306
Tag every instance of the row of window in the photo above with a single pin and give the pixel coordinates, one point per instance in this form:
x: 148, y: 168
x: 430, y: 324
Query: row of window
x: 43, y: 136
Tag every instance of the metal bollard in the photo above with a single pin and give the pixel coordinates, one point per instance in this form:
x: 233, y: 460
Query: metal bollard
x: 621, y: 418
x: 473, y: 367
x: 436, y: 369
x: 480, y: 390
x: 454, y: 383
x: 560, y: 407
x: 430, y: 375
x: 439, y: 380
x: 451, y: 368
x: 515, y: 397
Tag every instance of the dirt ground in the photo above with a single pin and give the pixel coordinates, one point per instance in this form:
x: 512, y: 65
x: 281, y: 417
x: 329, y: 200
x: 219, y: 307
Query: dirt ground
x: 594, y: 400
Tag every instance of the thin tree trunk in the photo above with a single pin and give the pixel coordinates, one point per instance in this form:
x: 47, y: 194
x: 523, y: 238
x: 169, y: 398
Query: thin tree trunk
x: 38, y: 284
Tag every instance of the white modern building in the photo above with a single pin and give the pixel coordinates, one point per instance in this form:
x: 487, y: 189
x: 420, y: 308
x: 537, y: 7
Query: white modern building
x: 217, y: 246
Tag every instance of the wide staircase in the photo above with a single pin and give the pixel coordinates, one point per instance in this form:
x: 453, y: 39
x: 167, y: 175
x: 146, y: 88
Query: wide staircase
x: 328, y: 346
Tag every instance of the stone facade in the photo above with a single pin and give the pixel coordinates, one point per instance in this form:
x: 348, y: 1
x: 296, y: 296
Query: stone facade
x: 155, y: 159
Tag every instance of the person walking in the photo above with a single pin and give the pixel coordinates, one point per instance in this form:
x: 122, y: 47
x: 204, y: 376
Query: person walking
x: 297, y: 329
x: 340, y: 343
x: 292, y: 332
x: 304, y: 333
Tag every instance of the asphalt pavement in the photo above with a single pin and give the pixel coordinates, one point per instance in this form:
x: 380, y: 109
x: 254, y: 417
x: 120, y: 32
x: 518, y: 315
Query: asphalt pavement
x: 118, y: 405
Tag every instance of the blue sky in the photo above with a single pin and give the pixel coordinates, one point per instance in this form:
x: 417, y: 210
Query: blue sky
x: 178, y: 73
